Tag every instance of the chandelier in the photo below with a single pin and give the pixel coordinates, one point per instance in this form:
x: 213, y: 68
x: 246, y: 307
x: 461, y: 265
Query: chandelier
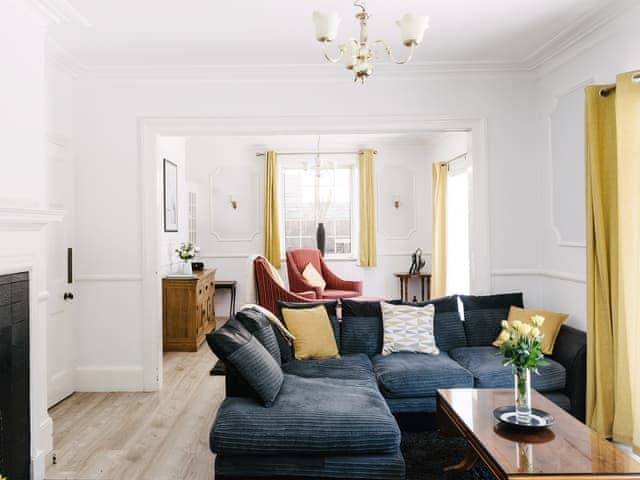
x: 356, y: 55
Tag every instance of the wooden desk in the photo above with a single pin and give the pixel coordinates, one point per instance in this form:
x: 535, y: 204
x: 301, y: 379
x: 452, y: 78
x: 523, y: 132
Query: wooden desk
x: 425, y: 281
x: 567, y: 450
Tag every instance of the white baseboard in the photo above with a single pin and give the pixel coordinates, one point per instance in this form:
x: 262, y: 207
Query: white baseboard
x: 128, y: 378
x: 42, y: 446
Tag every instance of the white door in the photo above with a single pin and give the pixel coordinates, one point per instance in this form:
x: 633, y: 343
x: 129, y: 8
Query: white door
x: 60, y: 331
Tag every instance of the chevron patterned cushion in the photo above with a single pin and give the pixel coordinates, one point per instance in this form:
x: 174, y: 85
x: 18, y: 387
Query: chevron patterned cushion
x: 408, y: 328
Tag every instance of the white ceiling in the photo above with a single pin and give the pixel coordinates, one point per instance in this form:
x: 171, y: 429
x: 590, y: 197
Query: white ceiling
x: 278, y: 32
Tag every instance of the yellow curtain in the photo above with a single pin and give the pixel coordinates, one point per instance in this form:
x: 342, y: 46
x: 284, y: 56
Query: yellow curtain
x: 367, y: 210
x: 271, y: 223
x: 439, y: 174
x: 613, y: 247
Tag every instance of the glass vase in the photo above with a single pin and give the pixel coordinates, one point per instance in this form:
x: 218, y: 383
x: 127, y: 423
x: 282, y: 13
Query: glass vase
x: 186, y: 268
x: 522, y: 383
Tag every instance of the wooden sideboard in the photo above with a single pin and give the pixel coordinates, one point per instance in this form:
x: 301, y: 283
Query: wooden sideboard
x: 188, y: 311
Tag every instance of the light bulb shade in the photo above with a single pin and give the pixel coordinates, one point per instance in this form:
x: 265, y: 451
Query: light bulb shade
x: 326, y: 25
x: 412, y: 28
x: 350, y: 55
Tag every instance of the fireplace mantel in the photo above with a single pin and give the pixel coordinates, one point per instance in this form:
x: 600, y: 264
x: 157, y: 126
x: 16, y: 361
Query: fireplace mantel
x: 28, y: 219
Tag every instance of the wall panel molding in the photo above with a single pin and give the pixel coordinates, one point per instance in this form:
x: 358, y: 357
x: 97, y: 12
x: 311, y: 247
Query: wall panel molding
x: 538, y: 272
x: 385, y: 209
x: 108, y: 277
x: 248, y: 210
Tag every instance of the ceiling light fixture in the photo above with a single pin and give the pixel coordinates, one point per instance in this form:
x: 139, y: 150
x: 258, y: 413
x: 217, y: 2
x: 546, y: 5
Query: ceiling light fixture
x: 356, y: 55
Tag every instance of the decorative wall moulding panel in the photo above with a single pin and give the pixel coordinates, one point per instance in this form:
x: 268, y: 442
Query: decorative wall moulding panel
x: 566, y: 163
x: 234, y: 204
x: 397, y: 215
x: 20, y: 219
x: 108, y: 277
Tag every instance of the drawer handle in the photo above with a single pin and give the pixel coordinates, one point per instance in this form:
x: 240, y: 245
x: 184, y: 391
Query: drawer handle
x: 206, y: 287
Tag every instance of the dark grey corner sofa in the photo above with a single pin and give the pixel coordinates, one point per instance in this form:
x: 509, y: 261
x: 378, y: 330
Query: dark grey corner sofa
x: 334, y: 418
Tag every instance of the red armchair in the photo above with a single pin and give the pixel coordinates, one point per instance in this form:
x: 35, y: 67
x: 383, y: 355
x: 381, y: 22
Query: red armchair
x: 336, y: 288
x: 270, y: 290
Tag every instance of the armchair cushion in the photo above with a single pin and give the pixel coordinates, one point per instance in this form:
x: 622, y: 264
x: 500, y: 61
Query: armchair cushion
x: 313, y: 277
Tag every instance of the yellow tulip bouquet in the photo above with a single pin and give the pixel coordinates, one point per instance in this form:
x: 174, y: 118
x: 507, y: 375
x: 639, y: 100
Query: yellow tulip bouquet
x: 522, y: 350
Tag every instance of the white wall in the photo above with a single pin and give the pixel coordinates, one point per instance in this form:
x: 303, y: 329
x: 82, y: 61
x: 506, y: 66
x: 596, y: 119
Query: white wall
x: 107, y: 115
x: 23, y: 206
x: 229, y: 166
x: 174, y: 150
x: 559, y: 96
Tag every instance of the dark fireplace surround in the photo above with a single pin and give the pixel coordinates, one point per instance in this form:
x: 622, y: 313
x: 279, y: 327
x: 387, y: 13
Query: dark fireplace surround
x: 15, y: 437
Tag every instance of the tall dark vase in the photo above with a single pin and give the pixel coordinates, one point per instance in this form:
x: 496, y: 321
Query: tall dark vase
x: 320, y: 238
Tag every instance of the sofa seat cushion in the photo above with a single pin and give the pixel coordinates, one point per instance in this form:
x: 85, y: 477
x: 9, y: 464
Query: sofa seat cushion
x: 338, y: 294
x: 488, y: 371
x: 347, y: 367
x: 407, y: 374
x: 310, y: 416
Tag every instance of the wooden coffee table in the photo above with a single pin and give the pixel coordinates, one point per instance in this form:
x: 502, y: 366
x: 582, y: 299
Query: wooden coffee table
x: 567, y: 450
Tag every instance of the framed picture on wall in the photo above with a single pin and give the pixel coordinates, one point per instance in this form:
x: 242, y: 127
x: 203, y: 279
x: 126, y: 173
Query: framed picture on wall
x: 170, y: 176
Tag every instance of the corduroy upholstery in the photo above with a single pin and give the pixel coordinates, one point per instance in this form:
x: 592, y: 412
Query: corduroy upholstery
x: 270, y: 291
x: 347, y: 367
x: 261, y: 328
x: 411, y: 375
x: 485, y: 363
x: 483, y: 314
x: 336, y: 287
x: 310, y: 416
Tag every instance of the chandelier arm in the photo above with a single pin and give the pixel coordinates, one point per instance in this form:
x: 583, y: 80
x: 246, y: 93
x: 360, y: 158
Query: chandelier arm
x: 329, y: 57
x: 412, y: 49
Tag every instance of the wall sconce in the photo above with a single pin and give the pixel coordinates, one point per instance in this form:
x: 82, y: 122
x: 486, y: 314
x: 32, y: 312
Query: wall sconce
x: 396, y: 201
x: 234, y: 202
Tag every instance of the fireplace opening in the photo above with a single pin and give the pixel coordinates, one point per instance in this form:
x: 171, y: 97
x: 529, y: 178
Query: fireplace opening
x: 15, y: 435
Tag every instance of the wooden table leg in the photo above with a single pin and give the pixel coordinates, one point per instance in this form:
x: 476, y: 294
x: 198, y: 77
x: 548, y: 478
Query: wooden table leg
x: 422, y: 287
x: 466, y: 464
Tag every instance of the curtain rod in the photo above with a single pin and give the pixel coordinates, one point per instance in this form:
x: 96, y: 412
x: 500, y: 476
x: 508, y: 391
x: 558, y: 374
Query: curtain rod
x: 605, y: 91
x: 261, y: 154
x: 455, y: 158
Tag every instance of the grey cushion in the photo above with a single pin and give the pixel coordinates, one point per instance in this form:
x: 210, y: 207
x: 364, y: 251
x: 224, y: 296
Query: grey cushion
x: 348, y: 367
x: 483, y: 314
x: 311, y: 416
x: 412, y: 405
x: 381, y: 466
x: 362, y: 325
x: 260, y: 327
x: 234, y: 345
x: 486, y: 365
x: 407, y: 374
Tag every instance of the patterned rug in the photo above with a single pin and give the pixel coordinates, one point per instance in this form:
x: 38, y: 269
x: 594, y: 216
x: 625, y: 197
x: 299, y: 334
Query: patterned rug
x: 426, y: 453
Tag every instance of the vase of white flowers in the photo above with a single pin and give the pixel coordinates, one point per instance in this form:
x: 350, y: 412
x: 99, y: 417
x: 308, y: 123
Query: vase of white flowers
x: 186, y: 252
x: 522, y: 350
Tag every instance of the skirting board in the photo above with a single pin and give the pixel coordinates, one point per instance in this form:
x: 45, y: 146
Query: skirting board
x: 110, y: 379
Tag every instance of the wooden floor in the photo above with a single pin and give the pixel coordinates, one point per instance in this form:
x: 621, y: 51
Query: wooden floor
x: 152, y: 436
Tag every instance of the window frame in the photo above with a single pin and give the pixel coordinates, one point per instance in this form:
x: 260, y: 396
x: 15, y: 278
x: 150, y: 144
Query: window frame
x: 298, y: 162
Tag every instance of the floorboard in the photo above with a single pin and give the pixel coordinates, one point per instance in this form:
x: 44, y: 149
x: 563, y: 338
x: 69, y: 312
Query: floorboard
x: 148, y: 436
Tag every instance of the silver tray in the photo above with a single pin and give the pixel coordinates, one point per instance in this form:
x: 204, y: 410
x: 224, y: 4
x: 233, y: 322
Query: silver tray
x: 538, y: 419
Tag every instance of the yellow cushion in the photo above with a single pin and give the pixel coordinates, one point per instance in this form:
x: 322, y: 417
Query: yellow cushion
x: 313, y: 334
x: 549, y: 329
x: 313, y: 276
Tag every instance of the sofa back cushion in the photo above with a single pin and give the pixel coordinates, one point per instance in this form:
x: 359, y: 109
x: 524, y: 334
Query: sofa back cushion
x: 260, y: 327
x: 362, y: 325
x: 249, y: 359
x: 483, y: 314
x: 331, y: 307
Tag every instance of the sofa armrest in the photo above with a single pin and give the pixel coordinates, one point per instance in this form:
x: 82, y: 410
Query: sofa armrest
x: 570, y: 351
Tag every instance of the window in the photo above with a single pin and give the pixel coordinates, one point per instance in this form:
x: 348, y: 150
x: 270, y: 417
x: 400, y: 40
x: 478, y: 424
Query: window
x: 310, y: 198
x: 458, y: 215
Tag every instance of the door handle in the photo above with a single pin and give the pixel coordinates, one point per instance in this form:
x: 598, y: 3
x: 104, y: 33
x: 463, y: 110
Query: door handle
x: 68, y: 296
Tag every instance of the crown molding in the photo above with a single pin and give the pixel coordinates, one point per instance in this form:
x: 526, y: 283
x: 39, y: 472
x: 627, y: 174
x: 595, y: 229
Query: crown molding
x: 59, y: 11
x: 585, y: 27
x: 568, y: 43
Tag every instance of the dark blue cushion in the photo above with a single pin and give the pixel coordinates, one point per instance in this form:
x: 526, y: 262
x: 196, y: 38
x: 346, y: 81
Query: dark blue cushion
x: 332, y: 312
x: 311, y: 416
x: 260, y: 327
x: 412, y: 405
x: 408, y: 374
x: 235, y: 346
x: 362, y: 325
x: 348, y: 367
x: 381, y: 466
x: 483, y: 314
x: 485, y: 363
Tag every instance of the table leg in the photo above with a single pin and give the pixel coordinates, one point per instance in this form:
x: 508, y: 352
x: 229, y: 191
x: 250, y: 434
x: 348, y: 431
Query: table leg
x: 422, y: 287
x: 466, y: 464
x: 233, y: 301
x: 406, y: 290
